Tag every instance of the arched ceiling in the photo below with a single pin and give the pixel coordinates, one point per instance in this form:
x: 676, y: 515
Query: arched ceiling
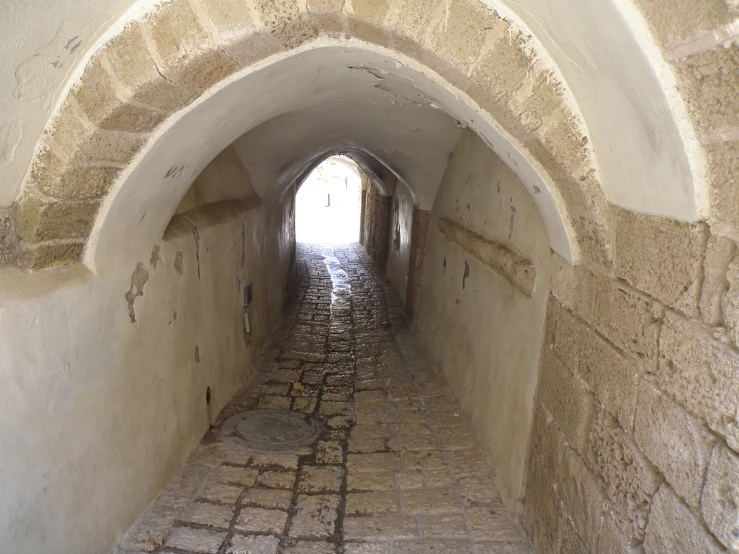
x: 621, y: 85
x: 290, y: 128
x: 337, y: 102
x: 584, y: 111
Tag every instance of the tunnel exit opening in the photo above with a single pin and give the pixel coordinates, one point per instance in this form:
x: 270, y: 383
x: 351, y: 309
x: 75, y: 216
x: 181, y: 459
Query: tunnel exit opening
x: 328, y: 203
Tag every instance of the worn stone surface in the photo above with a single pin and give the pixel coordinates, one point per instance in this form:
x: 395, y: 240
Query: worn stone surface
x: 8, y: 238
x: 630, y: 479
x: 541, y: 506
x: 98, y: 100
x: 719, y: 253
x: 609, y: 374
x: 423, y: 486
x: 711, y: 83
x: 581, y: 497
x: 700, y: 373
x: 730, y: 300
x: 661, y: 257
x: 612, y: 541
x: 40, y: 219
x: 720, y: 499
x: 673, y: 440
x: 629, y: 319
x: 673, y: 527
x: 568, y: 400
x: 724, y: 173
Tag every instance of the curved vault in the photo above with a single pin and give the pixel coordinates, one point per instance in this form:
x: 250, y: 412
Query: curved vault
x: 159, y: 100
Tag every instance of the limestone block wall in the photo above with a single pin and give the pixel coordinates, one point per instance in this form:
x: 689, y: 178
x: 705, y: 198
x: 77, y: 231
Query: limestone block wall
x: 401, y: 227
x: 477, y: 326
x: 635, y: 442
x: 105, y: 387
x: 377, y: 216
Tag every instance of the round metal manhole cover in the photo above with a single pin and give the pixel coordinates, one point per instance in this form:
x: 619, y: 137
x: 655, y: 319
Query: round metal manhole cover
x: 273, y: 429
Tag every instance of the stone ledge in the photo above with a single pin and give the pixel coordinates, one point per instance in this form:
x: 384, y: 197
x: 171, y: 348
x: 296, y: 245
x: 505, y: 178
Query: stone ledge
x: 519, y: 271
x: 208, y: 215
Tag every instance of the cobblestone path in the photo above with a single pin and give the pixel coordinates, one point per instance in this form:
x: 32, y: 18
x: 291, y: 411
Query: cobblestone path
x: 395, y: 471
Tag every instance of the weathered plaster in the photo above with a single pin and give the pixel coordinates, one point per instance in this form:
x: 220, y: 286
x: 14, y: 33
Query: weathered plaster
x: 100, y: 410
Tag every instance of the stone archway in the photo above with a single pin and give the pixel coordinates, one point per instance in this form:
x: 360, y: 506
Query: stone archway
x: 182, y: 53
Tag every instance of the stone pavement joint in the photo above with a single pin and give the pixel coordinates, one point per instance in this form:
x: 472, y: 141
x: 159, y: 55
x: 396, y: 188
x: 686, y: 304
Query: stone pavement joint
x: 396, y: 469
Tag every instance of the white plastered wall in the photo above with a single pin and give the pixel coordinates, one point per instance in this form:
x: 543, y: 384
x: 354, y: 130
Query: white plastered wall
x: 99, y: 411
x: 482, y: 333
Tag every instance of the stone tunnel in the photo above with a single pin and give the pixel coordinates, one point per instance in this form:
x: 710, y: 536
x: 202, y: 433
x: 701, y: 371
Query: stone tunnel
x: 533, y: 347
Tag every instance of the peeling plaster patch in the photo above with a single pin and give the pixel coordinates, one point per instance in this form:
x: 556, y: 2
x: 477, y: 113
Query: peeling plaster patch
x: 156, y: 256
x: 173, y: 317
x: 138, y: 280
x: 399, y: 87
x: 197, y: 353
x: 179, y: 262
x: 10, y: 135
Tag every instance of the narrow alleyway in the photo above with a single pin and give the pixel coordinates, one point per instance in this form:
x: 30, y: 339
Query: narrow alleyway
x: 393, y: 467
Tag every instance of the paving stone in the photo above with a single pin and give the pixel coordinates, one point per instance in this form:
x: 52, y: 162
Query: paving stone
x: 424, y: 459
x: 366, y: 548
x: 315, y: 516
x: 214, y: 515
x: 309, y: 547
x: 478, y: 490
x: 329, y: 452
x: 443, y: 526
x: 230, y: 475
x: 489, y: 524
x: 196, y: 540
x: 418, y: 442
x: 380, y: 527
x: 238, y: 457
x: 216, y: 492
x: 388, y: 461
x: 253, y: 545
x: 436, y: 546
x: 427, y: 501
x: 370, y: 481
x: 416, y: 474
x: 279, y: 459
x: 259, y: 520
x: 277, y: 479
x: 375, y: 502
x: 268, y: 498
x: 364, y: 446
x: 320, y: 479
